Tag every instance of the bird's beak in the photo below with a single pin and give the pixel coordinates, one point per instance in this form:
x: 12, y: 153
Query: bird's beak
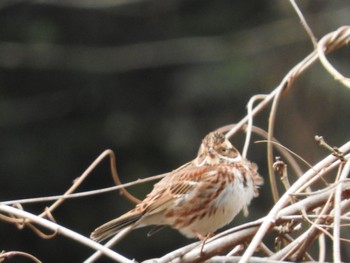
x: 211, y: 152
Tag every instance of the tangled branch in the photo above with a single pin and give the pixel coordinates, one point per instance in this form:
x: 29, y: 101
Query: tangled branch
x: 312, y: 208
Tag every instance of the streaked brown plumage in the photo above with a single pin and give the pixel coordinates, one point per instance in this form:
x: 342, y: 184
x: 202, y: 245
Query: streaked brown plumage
x: 199, y: 197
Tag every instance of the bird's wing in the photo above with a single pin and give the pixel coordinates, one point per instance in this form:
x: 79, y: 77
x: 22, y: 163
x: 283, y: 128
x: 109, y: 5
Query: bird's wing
x: 180, y: 184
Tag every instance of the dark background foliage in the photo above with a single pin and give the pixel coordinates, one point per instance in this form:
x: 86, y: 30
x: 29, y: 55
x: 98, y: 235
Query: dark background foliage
x: 148, y: 79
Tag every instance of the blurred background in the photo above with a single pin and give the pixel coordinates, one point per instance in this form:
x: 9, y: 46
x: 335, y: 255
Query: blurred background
x: 148, y: 79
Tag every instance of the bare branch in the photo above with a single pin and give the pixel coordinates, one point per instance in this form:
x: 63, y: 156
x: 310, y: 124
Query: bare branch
x: 64, y: 231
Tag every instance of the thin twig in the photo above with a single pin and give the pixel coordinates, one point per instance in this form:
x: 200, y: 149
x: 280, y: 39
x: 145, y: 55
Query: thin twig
x: 11, y: 254
x: 280, y: 146
x: 250, y: 122
x: 322, y: 248
x: 328, y: 43
x: 109, y: 244
x: 83, y: 194
x: 116, y: 179
x: 337, y: 213
x: 80, y: 180
x: 304, y: 23
x: 270, y: 158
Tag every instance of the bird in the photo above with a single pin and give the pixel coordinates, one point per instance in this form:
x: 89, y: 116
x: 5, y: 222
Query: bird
x: 199, y: 197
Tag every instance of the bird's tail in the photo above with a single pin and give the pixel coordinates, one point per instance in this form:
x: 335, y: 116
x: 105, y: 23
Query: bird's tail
x: 114, y: 226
